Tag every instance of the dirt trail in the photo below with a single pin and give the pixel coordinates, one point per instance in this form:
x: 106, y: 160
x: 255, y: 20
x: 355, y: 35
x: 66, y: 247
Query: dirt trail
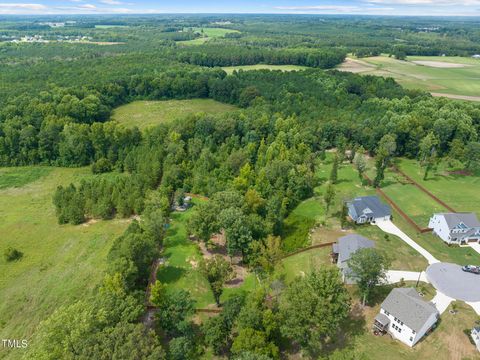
x: 457, y: 97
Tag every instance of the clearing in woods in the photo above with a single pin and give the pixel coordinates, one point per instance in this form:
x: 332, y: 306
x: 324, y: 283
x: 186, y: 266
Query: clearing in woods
x: 144, y: 114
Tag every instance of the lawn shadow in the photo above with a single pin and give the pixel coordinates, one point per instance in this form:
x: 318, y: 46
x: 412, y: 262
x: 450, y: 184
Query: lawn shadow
x: 170, y: 274
x: 352, y: 327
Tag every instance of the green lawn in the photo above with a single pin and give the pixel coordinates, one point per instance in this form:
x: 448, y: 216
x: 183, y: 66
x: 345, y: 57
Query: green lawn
x: 448, y: 341
x: 61, y: 263
x: 231, y: 69
x: 413, y: 201
x: 182, y: 257
x: 459, y: 191
x: 144, y: 114
x: 458, y: 81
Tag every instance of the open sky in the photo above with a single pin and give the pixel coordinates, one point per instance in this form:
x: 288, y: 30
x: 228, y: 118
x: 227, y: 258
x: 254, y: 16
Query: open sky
x: 371, y: 7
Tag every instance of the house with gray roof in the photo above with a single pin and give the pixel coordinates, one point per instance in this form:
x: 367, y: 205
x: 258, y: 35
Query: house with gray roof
x: 343, y: 250
x: 368, y: 209
x: 456, y: 228
x: 406, y: 316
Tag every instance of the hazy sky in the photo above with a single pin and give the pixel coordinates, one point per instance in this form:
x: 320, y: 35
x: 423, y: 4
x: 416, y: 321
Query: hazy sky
x: 376, y: 7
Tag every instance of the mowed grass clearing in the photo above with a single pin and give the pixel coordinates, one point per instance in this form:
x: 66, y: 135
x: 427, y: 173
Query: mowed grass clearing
x: 206, y: 34
x: 231, y: 69
x: 413, y: 201
x: 182, y: 257
x: 430, y: 73
x: 311, y: 213
x: 61, y: 263
x: 145, y: 114
x: 460, y: 191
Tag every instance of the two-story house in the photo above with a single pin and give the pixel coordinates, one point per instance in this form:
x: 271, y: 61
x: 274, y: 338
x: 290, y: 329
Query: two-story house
x: 455, y: 228
x: 406, y: 316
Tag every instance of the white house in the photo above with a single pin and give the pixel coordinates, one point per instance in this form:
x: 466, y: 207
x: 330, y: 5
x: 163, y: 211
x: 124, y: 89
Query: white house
x: 368, y: 209
x: 476, y: 336
x: 406, y: 316
x: 455, y: 228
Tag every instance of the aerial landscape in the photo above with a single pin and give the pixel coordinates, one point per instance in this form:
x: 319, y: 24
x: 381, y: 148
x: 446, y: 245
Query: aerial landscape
x: 248, y: 181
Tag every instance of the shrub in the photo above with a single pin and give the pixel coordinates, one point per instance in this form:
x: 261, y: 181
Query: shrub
x: 12, y: 254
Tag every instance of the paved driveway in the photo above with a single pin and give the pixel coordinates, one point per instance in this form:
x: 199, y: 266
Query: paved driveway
x: 475, y: 246
x: 389, y: 227
x: 441, y: 302
x: 475, y: 306
x: 450, y: 280
x: 395, y: 276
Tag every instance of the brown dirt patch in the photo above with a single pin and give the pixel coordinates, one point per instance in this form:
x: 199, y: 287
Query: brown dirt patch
x: 217, y: 246
x: 456, y: 97
x: 355, y: 66
x: 440, y: 64
x: 322, y: 235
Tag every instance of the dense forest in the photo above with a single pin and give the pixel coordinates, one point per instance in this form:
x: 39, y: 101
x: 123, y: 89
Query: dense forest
x: 255, y: 164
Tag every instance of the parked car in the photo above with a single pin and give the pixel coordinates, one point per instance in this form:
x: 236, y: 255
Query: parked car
x: 471, y: 269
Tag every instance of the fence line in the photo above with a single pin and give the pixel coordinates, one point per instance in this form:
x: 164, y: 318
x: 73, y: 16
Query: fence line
x: 445, y: 205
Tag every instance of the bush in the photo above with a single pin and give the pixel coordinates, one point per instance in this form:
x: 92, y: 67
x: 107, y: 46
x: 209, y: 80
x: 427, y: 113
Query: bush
x: 12, y: 254
x: 102, y: 166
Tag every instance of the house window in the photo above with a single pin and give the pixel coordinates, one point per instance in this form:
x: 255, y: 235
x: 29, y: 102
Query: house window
x: 413, y: 332
x: 411, y: 338
x: 399, y: 330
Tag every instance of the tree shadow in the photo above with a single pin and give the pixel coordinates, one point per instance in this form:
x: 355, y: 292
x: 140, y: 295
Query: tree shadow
x: 170, y: 274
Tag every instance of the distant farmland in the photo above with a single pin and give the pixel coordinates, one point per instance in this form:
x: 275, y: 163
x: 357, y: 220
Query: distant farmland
x: 454, y: 77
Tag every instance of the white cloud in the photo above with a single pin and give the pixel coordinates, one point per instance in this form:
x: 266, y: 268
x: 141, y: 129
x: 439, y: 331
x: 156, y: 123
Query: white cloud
x: 339, y: 8
x: 111, y: 2
x: 21, y: 8
x: 427, y: 2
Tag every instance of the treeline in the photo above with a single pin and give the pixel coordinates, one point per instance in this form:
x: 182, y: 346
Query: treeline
x: 64, y: 126
x: 225, y: 55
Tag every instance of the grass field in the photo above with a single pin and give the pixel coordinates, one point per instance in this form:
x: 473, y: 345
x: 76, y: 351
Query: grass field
x: 462, y: 192
x: 431, y: 73
x: 182, y: 255
x: 414, y: 202
x: 207, y: 34
x: 60, y: 263
x: 144, y: 114
x: 231, y: 69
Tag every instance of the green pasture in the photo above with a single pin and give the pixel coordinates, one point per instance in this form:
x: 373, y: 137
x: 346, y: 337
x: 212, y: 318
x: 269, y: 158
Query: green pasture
x: 144, y: 114
x: 60, y: 263
x: 207, y: 33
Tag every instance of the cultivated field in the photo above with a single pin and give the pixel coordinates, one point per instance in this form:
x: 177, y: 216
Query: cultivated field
x: 60, y: 263
x: 144, y: 114
x: 441, y: 76
x: 231, y: 69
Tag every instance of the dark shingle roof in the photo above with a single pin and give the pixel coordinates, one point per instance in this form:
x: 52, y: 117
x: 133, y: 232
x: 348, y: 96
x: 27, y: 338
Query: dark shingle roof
x: 406, y: 305
x: 453, y: 219
x: 349, y: 244
x: 370, y: 204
